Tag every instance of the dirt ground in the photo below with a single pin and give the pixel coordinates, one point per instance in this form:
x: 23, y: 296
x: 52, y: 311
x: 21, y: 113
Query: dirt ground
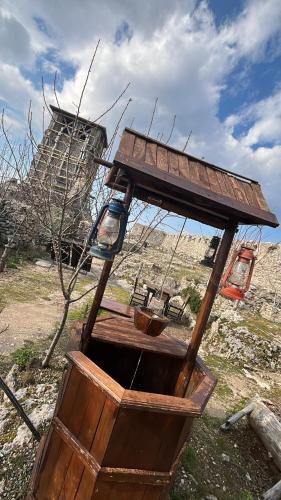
x: 226, y: 466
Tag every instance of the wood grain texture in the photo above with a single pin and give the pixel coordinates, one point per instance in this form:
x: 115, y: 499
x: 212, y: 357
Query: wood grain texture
x: 139, y: 149
x: 126, y: 334
x: 162, y: 158
x: 217, y: 181
x: 184, y: 168
x: 115, y: 307
x: 173, y: 163
x: 127, y: 143
x: 257, y: 192
x: 169, y: 405
x: 97, y: 376
x: 214, y: 182
x: 151, y: 154
x: 91, y: 418
x: 168, y: 184
x: 143, y: 440
x: 108, y: 442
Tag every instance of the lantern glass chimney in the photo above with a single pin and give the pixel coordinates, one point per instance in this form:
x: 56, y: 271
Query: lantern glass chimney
x: 109, y: 229
x: 239, y: 273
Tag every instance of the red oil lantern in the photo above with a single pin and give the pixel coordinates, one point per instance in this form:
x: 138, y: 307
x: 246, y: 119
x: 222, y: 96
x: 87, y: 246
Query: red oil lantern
x: 237, y: 278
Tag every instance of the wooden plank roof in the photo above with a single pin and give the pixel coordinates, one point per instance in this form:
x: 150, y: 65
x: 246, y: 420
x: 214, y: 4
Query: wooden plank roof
x: 186, y: 185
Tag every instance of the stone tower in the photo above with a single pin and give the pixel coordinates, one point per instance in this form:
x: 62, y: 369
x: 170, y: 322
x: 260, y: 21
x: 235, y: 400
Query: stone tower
x: 64, y: 161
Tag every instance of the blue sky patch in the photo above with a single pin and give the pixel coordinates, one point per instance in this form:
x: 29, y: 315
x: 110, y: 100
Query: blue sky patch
x: 248, y: 84
x: 47, y: 64
x: 124, y: 33
x: 42, y: 26
x: 225, y: 10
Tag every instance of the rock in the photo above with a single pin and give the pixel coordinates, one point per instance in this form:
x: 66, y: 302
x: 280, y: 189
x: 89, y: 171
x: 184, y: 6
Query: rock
x: 11, y: 380
x: 2, y: 486
x: 215, y: 327
x: 38, y: 416
x: 42, y: 414
x: 21, y: 393
x: 225, y: 458
x: 211, y: 497
x: 44, y: 263
x: 43, y: 388
x: 4, y: 424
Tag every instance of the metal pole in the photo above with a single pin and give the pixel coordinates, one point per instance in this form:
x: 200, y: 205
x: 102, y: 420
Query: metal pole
x: 20, y: 409
x: 209, y: 297
x: 87, y: 331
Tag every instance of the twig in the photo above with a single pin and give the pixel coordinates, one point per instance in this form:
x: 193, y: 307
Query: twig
x: 152, y: 116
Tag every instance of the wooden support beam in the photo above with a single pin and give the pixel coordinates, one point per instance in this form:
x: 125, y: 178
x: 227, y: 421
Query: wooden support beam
x: 86, y: 335
x: 208, y: 300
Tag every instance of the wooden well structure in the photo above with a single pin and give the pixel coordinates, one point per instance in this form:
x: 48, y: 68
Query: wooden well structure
x: 128, y: 401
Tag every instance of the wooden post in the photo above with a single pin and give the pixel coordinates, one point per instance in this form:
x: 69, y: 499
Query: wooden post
x: 87, y: 331
x: 209, y: 298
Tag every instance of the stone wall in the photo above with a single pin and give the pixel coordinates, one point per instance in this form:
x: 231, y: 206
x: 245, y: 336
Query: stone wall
x: 267, y: 271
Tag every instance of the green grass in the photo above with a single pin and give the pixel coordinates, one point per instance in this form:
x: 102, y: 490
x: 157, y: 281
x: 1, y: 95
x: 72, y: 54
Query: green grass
x: 244, y: 495
x: 190, y: 460
x: 79, y: 313
x: 194, y: 298
x: 24, y: 355
x: 118, y: 294
x: 29, y: 285
x: 263, y: 328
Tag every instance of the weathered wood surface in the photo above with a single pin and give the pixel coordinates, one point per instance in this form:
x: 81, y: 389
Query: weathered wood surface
x: 108, y: 442
x: 123, y: 332
x: 274, y: 493
x: 265, y: 424
x: 268, y: 428
x: 194, y: 181
x: 117, y: 308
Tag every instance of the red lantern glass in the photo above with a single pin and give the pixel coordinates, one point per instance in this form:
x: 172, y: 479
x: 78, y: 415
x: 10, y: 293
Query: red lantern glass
x: 237, y: 278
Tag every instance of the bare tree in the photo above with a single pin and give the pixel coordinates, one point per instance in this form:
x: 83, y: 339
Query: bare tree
x: 65, y: 189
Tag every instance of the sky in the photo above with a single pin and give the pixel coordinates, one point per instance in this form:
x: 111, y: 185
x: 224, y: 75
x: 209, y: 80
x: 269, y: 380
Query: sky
x: 214, y: 64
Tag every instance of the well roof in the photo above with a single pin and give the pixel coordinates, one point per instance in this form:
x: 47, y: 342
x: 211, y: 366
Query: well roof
x: 189, y: 186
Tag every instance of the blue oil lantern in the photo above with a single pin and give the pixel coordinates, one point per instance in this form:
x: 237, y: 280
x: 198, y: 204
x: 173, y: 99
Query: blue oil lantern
x: 109, y: 230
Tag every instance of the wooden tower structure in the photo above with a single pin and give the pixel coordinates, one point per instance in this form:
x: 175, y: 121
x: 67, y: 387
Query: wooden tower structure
x: 122, y: 420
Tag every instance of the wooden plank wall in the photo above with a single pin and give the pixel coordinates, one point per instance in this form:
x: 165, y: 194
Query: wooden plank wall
x: 87, y: 415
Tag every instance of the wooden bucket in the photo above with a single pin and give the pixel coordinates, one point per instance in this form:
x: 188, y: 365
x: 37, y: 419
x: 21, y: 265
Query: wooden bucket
x: 110, y: 441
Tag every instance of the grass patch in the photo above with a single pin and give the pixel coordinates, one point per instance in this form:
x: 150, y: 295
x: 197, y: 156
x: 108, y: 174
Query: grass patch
x: 24, y: 355
x: 28, y: 285
x: 194, y: 298
x: 190, y: 460
x: 119, y: 294
x: 79, y: 313
x: 244, y: 495
x: 263, y: 328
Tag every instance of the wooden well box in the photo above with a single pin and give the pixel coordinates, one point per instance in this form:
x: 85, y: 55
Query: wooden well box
x: 122, y: 418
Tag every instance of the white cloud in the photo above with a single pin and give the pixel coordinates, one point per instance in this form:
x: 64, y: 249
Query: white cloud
x: 184, y: 60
